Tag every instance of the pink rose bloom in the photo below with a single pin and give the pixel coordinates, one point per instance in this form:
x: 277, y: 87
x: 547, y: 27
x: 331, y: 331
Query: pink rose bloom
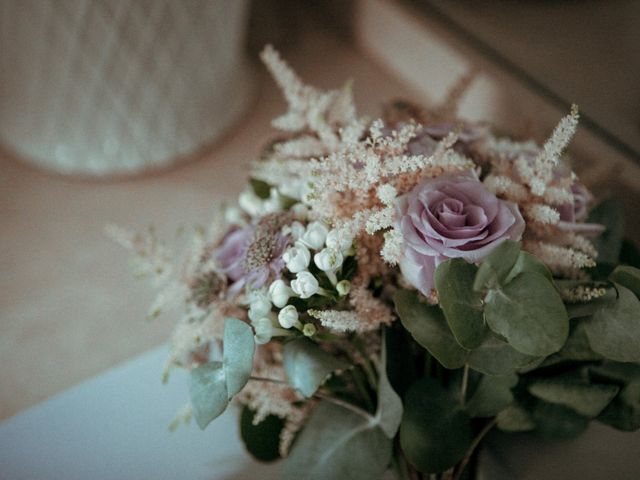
x: 451, y: 217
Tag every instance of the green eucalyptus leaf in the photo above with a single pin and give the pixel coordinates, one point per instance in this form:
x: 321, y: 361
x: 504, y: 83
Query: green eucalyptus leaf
x: 496, y: 266
x: 614, y: 330
x: 208, y: 392
x: 496, y: 357
x: 435, y: 433
x: 462, y: 306
x: 238, y: 348
x: 623, y: 412
x: 529, y: 313
x: 527, y: 262
x: 307, y: 365
x: 213, y: 384
x: 576, y: 348
x: 628, y: 277
x: 558, y: 422
x: 492, y: 395
x: 389, y: 411
x: 429, y: 328
x: 618, y: 373
x: 587, y: 399
x: 514, y: 418
x: 262, y: 440
x: 338, y: 443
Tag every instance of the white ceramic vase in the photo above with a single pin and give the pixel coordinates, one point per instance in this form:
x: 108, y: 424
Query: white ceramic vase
x: 116, y: 87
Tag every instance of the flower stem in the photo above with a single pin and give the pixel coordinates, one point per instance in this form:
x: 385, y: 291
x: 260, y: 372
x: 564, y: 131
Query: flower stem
x: 474, y: 444
x: 465, y: 384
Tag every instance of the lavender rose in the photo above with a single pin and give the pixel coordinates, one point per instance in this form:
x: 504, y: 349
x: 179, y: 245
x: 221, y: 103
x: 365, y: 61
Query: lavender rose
x: 451, y: 217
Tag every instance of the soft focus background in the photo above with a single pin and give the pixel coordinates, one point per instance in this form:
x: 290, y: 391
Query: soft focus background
x: 168, y: 121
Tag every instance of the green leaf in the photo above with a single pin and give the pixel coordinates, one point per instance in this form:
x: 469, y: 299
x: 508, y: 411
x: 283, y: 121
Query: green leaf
x: 239, y: 347
x: 529, y: 313
x: 213, y: 384
x: 558, y: 422
x: 338, y: 443
x: 528, y: 263
x: 262, y: 440
x: 619, y: 373
x: 389, y: 411
x: 462, y: 306
x: 514, y: 418
x: 495, y: 357
x: 628, y: 277
x: 496, y: 266
x: 576, y: 348
x: 435, y: 433
x: 429, y: 328
x: 614, y: 330
x: 623, y: 412
x: 208, y: 392
x: 587, y: 399
x: 307, y: 365
x: 609, y: 213
x: 492, y: 395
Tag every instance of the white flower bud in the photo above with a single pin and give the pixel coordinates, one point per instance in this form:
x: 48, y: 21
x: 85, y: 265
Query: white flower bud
x: 250, y: 203
x: 296, y: 230
x: 297, y: 258
x: 340, y: 241
x: 343, y: 287
x: 328, y: 260
x: 280, y: 293
x: 315, y: 235
x: 300, y: 210
x: 264, y: 330
x: 309, y: 330
x: 288, y: 317
x: 233, y: 215
x: 305, y: 285
x: 259, y: 307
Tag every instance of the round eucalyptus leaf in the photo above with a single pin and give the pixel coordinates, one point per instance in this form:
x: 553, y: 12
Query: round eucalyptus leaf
x: 462, y: 306
x: 496, y: 266
x: 527, y: 262
x: 623, y: 412
x: 614, y: 330
x: 496, y: 357
x: 529, y: 313
x: 514, y: 418
x: 238, y: 349
x: 307, y: 365
x: 389, y: 411
x: 428, y: 327
x: 628, y: 277
x: 587, y: 399
x: 338, y: 443
x: 435, y: 433
x: 557, y: 422
x: 208, y: 392
x: 492, y: 395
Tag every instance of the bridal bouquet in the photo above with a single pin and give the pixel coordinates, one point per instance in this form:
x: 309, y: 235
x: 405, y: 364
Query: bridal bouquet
x: 386, y: 292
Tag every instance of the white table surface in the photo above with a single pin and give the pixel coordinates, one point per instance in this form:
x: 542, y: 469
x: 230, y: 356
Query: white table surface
x: 114, y: 426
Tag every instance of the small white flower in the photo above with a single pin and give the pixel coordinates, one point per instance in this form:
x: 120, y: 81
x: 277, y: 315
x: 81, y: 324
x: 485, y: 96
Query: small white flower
x: 387, y: 194
x: 280, y: 293
x: 273, y: 203
x: 315, y: 235
x: 300, y: 210
x: 305, y: 285
x: 259, y: 307
x: 340, y: 241
x: 288, y: 317
x: 250, y: 203
x: 264, y: 330
x: 296, y: 230
x: 309, y: 330
x: 343, y: 287
x: 328, y: 260
x: 297, y: 258
x: 233, y: 215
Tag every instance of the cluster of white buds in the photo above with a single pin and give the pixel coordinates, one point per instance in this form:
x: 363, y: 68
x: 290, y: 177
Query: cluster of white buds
x: 256, y: 206
x: 329, y: 261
